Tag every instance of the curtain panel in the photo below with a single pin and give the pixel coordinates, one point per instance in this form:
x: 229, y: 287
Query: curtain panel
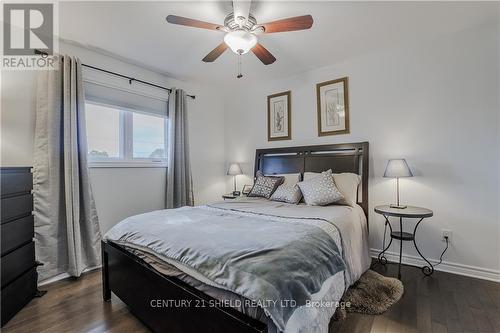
x: 67, y: 233
x: 179, y: 190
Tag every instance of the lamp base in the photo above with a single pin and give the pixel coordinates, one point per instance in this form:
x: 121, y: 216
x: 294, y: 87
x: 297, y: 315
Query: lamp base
x: 398, y: 206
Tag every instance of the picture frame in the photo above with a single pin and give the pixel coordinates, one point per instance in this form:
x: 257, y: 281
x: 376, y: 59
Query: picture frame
x: 246, y: 189
x: 279, y: 118
x: 333, y: 107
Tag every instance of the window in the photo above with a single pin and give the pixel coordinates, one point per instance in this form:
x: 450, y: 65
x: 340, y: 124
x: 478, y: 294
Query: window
x: 148, y: 136
x: 118, y: 137
x: 103, y: 131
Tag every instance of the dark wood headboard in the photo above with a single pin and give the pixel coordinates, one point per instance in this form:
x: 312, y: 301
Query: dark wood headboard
x: 343, y: 157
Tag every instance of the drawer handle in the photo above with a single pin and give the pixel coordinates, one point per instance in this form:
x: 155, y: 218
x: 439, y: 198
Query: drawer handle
x: 38, y: 263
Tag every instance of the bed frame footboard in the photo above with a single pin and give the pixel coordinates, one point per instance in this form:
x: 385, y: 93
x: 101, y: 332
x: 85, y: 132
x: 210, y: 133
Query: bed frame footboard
x: 166, y: 304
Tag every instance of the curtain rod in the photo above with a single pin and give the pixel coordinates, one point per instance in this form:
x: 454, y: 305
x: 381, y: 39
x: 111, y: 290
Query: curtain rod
x: 130, y: 79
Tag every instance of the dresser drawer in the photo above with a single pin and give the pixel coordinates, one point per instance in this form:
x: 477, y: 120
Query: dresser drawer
x: 17, y: 206
x: 16, y: 233
x: 15, y: 181
x: 17, y: 262
x: 17, y: 294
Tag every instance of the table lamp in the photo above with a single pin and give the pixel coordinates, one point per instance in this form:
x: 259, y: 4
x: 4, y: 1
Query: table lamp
x: 234, y: 170
x: 397, y: 168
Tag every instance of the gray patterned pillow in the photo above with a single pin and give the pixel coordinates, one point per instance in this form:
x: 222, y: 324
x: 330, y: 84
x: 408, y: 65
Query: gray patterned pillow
x: 287, y: 193
x: 320, y: 190
x: 265, y: 185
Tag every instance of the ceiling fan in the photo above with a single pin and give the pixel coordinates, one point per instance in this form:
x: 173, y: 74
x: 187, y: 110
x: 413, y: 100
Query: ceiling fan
x: 242, y: 31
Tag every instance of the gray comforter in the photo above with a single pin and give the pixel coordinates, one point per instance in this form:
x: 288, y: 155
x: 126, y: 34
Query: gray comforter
x: 279, y: 262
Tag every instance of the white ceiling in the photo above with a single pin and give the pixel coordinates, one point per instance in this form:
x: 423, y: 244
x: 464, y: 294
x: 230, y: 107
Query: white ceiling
x: 138, y: 31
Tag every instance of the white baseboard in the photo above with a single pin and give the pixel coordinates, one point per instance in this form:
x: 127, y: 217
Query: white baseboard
x: 63, y: 276
x: 56, y: 278
x: 449, y: 267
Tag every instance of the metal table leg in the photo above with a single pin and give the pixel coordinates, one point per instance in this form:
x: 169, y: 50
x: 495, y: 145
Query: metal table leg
x: 381, y: 258
x: 400, y: 246
x: 427, y: 270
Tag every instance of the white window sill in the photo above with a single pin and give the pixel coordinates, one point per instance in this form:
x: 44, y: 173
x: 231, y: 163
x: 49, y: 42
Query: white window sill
x: 126, y: 164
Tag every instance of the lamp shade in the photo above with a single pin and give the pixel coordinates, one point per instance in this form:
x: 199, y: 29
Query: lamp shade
x: 234, y: 169
x: 397, y: 168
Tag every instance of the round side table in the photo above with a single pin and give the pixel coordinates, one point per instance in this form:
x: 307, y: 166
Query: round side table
x: 229, y: 196
x: 411, y: 212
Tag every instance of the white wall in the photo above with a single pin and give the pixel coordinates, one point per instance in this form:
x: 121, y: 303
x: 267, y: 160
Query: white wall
x: 434, y: 104
x: 122, y: 192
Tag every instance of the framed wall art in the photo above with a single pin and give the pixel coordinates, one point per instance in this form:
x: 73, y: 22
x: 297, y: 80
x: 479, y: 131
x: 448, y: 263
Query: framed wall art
x: 279, y: 118
x: 333, y: 107
x: 246, y: 189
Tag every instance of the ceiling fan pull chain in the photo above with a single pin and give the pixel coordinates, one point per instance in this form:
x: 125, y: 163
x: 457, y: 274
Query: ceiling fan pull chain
x: 239, y: 76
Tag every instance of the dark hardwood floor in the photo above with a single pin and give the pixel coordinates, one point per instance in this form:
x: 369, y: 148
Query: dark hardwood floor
x: 440, y: 303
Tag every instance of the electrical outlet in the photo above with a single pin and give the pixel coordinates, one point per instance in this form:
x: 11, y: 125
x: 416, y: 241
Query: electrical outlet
x: 446, y: 233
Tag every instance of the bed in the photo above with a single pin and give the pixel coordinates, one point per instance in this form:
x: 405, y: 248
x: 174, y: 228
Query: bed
x: 167, y: 275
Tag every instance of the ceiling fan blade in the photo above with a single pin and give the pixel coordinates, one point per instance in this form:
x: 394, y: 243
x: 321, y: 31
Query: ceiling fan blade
x: 263, y: 54
x: 241, y: 10
x: 192, y: 23
x: 289, y: 24
x: 215, y: 53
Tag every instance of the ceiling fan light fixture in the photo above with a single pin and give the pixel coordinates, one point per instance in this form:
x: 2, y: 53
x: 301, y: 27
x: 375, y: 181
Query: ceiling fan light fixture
x: 240, y: 41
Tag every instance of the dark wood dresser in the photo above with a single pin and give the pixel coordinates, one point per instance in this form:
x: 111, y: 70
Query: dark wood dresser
x: 18, y: 275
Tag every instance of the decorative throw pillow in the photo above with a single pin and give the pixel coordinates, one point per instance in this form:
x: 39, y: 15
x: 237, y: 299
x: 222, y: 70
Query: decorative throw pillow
x: 346, y: 182
x: 265, y: 185
x: 287, y: 193
x: 320, y: 190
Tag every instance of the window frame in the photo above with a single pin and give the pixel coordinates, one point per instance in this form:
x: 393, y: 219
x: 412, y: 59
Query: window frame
x: 126, y: 141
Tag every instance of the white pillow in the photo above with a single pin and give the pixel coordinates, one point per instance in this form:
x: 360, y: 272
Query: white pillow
x: 346, y: 182
x: 320, y: 190
x: 289, y: 178
x: 310, y: 175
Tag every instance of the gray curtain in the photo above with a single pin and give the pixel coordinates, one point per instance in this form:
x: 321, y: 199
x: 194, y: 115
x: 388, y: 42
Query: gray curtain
x: 67, y: 234
x: 179, y: 181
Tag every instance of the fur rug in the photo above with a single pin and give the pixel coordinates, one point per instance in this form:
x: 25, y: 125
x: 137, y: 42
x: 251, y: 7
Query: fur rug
x: 371, y: 294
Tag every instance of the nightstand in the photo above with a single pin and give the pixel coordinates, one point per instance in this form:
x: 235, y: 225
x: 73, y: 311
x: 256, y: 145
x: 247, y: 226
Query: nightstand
x: 410, y: 212
x: 229, y: 196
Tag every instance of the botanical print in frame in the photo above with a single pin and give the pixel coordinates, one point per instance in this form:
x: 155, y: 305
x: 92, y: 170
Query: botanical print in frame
x: 333, y: 107
x: 279, y: 121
